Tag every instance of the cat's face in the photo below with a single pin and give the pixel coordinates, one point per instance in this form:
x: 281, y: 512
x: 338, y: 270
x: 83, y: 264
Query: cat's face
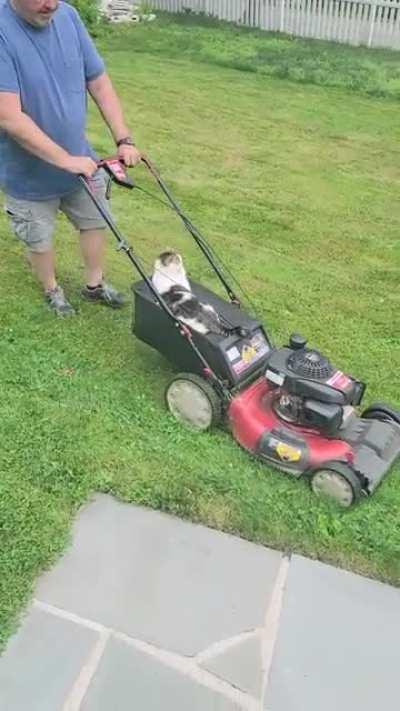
x: 169, y: 271
x: 170, y: 259
x: 169, y: 262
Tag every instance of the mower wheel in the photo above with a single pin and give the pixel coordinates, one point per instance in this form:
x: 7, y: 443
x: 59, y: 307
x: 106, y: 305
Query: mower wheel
x: 382, y: 412
x: 338, y: 481
x: 192, y: 400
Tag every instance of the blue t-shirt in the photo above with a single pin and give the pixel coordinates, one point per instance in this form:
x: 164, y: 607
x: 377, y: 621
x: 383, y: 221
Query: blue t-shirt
x: 49, y: 68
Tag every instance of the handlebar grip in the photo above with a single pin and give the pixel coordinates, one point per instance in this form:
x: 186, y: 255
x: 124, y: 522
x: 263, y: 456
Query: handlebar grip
x: 116, y: 169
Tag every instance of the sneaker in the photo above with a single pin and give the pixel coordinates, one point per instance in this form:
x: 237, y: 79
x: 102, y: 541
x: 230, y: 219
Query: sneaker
x: 104, y: 293
x: 57, y: 301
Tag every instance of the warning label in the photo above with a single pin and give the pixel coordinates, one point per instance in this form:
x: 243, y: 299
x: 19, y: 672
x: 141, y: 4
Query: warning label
x: 249, y: 353
x: 339, y: 380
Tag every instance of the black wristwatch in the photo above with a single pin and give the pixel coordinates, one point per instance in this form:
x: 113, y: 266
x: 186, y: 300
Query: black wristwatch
x: 128, y: 141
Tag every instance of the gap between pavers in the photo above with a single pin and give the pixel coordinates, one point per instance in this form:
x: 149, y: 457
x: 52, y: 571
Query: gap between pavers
x: 338, y: 642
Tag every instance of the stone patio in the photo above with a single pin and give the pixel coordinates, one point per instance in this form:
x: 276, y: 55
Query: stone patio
x: 152, y: 613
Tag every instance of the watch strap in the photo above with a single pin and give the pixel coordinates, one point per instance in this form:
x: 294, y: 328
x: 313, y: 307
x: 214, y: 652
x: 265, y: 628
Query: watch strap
x: 127, y: 141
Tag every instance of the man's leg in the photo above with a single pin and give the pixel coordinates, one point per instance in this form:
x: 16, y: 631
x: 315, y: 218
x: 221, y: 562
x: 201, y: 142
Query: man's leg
x: 43, y: 266
x: 33, y: 224
x: 84, y: 215
x: 93, y: 249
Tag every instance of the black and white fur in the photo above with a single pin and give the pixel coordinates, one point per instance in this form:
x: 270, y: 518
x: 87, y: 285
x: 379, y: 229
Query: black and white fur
x: 171, y: 282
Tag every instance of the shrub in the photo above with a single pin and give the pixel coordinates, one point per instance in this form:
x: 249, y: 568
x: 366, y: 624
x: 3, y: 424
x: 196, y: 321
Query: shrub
x: 89, y: 11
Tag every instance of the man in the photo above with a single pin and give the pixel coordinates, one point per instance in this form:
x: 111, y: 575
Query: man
x: 47, y: 64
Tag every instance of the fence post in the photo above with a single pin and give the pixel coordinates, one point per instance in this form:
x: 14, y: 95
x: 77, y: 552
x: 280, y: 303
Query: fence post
x: 374, y: 7
x: 282, y: 18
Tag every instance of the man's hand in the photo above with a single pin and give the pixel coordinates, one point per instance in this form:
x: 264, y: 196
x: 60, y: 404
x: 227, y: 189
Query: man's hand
x: 80, y: 165
x: 129, y: 155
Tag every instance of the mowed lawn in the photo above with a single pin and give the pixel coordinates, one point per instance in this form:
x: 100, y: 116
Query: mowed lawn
x: 297, y: 187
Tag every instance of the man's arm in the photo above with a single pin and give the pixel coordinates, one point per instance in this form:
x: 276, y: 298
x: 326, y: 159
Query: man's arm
x: 105, y: 96
x: 25, y: 132
x: 102, y: 92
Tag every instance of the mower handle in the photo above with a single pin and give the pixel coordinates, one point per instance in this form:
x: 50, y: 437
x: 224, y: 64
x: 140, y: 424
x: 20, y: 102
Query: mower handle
x: 116, y: 170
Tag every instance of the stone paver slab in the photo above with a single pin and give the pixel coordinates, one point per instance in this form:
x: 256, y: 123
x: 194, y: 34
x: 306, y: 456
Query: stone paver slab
x: 240, y: 665
x: 127, y: 680
x: 338, y: 644
x: 178, y: 586
x: 42, y: 662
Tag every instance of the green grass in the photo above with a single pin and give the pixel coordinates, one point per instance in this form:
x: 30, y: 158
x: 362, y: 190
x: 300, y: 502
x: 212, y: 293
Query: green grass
x: 205, y: 39
x: 297, y: 187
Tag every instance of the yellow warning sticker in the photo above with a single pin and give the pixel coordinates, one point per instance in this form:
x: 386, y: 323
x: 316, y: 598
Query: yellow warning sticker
x: 249, y: 353
x: 288, y: 453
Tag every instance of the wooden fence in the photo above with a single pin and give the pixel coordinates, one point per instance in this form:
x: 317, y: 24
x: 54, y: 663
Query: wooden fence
x: 358, y: 22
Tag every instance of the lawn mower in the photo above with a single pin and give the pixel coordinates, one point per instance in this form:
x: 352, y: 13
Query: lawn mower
x: 289, y: 406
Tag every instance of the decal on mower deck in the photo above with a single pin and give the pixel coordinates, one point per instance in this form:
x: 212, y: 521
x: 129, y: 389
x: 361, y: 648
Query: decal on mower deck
x: 288, y: 453
x: 242, y: 356
x: 284, y: 450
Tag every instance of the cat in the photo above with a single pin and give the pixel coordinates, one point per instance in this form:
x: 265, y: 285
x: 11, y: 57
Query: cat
x: 170, y: 280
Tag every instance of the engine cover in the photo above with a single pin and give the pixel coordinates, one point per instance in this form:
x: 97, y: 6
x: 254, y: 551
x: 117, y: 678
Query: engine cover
x: 307, y: 374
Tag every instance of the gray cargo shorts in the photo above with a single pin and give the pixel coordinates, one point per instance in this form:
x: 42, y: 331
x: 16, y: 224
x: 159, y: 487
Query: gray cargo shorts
x: 33, y: 221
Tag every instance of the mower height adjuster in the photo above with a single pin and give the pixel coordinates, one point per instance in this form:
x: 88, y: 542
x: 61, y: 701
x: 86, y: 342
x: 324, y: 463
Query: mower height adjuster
x: 123, y: 246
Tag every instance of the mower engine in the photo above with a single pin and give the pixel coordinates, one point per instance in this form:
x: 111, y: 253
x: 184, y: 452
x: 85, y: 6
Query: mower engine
x: 309, y: 390
x: 302, y: 418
